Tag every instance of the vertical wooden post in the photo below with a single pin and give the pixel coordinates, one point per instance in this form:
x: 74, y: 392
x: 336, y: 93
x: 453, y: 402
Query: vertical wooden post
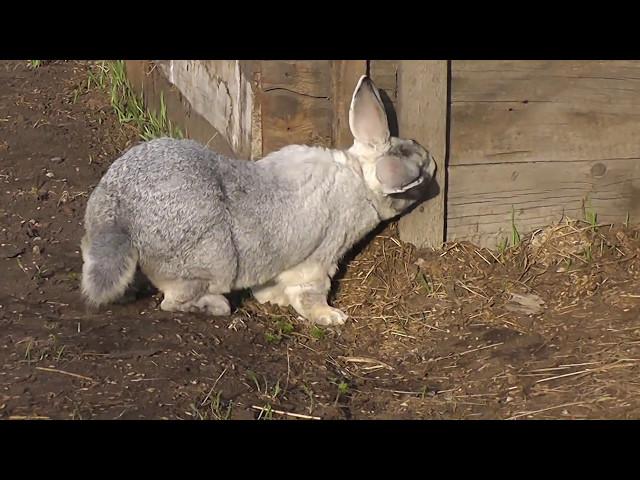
x: 422, y: 116
x: 345, y: 76
x: 252, y: 69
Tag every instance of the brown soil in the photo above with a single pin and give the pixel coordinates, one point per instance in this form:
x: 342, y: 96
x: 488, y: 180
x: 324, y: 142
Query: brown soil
x: 546, y: 330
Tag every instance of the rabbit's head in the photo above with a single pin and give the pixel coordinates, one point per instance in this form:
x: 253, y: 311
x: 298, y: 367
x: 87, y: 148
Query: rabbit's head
x: 397, y: 169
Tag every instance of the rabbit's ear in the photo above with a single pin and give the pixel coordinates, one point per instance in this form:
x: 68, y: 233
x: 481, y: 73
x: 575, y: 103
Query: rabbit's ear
x: 397, y: 175
x: 367, y: 117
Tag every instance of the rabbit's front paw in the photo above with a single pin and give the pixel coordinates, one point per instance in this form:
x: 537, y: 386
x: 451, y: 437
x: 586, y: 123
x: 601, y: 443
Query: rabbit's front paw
x: 328, y: 316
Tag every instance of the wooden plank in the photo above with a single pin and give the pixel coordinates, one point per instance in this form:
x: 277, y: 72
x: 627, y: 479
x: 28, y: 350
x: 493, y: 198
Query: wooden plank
x: 574, y: 119
x: 217, y: 90
x: 422, y: 116
x: 252, y: 70
x: 538, y: 194
x: 523, y: 111
x: 295, y: 109
x: 304, y: 77
x: 148, y: 80
x: 345, y: 75
x: 384, y: 74
x: 135, y: 71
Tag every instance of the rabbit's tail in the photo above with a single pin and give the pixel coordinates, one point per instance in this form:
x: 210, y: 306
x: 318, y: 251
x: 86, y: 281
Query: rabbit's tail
x: 109, y: 265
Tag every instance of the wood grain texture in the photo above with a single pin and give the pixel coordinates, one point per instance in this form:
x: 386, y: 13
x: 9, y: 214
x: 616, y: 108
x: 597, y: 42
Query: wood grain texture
x: 540, y: 137
x: 345, y: 75
x: 252, y: 70
x: 523, y: 111
x: 304, y: 77
x: 295, y: 102
x: 483, y: 198
x: 148, y: 80
x: 422, y: 116
x: 218, y: 91
x: 384, y: 74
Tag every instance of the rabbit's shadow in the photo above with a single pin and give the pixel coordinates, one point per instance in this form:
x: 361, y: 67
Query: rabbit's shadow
x: 426, y: 193
x: 142, y: 288
x: 392, y: 117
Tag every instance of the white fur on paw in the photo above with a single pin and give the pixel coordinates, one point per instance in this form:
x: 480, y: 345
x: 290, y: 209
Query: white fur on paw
x: 169, y: 306
x: 329, y: 316
x: 215, y: 305
x: 272, y: 295
x: 173, y: 306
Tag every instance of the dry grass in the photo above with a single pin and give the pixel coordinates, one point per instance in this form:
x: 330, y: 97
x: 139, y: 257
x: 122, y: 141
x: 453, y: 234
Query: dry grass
x: 543, y: 330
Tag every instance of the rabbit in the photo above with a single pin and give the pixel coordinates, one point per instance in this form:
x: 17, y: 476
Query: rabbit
x: 200, y: 225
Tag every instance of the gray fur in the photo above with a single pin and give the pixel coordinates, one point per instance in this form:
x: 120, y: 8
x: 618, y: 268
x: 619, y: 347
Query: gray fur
x: 109, y: 264
x: 201, y: 225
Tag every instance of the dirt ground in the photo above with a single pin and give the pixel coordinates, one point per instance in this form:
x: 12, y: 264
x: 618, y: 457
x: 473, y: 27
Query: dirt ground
x: 548, y: 329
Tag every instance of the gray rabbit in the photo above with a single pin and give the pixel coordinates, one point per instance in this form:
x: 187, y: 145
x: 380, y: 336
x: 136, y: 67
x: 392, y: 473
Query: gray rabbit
x: 200, y: 225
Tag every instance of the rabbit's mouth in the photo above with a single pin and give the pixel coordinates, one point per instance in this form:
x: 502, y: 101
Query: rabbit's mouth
x: 421, y: 189
x: 405, y: 188
x: 415, y: 191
